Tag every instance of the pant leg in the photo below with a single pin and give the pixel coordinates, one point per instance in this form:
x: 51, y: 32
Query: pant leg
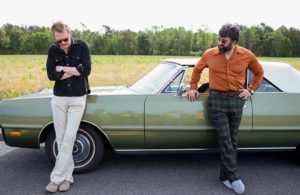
x: 219, y: 107
x: 235, y: 117
x: 59, y: 111
x: 64, y: 165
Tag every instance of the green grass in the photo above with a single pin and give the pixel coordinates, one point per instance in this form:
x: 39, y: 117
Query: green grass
x: 23, y: 74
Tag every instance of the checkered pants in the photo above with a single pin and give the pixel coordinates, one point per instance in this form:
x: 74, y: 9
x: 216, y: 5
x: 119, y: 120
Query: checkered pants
x: 226, y: 113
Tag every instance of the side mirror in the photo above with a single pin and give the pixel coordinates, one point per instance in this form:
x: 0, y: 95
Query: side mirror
x: 181, y: 90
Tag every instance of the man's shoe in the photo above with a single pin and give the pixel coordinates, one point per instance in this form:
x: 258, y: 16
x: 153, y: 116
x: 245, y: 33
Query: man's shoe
x: 238, y: 186
x: 227, y: 184
x: 64, y: 186
x: 51, y: 187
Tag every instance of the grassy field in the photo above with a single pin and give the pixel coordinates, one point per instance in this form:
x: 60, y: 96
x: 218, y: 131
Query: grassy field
x: 23, y: 74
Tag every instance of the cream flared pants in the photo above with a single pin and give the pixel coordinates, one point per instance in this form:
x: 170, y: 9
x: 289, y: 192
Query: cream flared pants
x: 67, y: 114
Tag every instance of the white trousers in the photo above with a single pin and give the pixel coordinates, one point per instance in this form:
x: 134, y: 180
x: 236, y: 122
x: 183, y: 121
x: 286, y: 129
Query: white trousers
x: 67, y: 114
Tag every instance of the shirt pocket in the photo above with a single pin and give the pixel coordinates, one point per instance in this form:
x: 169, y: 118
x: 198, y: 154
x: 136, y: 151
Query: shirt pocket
x: 59, y: 61
x: 76, y: 60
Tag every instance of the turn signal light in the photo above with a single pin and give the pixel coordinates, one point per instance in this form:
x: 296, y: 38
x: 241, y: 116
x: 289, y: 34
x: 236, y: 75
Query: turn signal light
x: 15, y: 133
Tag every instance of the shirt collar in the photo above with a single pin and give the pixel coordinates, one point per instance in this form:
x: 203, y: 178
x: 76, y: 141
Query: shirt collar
x: 74, y: 42
x: 215, y: 51
x: 238, y: 50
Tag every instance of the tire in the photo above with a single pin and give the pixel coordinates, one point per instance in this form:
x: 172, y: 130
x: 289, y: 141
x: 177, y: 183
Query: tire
x: 297, y: 152
x: 87, y: 152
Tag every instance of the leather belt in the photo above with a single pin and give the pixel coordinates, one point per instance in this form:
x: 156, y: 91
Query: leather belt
x: 225, y: 93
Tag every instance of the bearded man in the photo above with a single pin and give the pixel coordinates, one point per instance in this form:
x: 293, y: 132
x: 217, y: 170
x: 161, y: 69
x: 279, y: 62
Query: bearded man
x: 227, y: 66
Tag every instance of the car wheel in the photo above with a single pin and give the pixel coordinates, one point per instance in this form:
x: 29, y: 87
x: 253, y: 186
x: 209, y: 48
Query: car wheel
x: 87, y: 152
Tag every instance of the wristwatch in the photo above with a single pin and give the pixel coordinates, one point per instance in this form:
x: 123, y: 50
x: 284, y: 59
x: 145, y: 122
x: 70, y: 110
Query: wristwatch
x: 251, y: 91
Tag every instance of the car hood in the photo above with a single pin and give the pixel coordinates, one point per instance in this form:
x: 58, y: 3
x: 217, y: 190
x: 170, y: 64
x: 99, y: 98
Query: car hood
x: 107, y: 90
x: 112, y: 90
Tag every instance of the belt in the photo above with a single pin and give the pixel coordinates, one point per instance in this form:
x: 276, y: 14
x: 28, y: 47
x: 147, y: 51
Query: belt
x: 225, y: 93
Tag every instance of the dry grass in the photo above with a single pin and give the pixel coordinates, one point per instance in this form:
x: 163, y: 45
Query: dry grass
x: 23, y: 74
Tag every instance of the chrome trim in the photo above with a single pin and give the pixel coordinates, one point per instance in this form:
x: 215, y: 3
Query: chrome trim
x: 269, y: 148
x: 199, y: 149
x: 42, y: 130
x: 163, y: 150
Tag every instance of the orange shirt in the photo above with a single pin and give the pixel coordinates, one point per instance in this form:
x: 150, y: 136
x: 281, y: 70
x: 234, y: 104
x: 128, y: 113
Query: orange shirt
x: 228, y: 75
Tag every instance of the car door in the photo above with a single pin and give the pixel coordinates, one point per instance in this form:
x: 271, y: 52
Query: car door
x: 172, y: 122
x: 276, y: 121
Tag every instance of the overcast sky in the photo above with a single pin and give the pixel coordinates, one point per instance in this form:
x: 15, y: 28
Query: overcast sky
x: 141, y: 14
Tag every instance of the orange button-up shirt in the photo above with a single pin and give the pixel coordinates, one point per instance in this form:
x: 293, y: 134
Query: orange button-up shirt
x: 228, y: 75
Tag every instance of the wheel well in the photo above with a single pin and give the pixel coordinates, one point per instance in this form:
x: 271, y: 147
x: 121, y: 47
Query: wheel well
x: 49, y: 127
x: 45, y: 132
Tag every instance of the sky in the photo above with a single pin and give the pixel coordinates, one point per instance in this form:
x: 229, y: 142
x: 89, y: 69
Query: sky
x: 143, y: 14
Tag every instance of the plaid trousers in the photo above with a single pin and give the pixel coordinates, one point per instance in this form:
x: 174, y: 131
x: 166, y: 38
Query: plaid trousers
x: 226, y: 113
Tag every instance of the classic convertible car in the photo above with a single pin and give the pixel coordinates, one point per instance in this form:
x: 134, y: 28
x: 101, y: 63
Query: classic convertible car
x: 153, y: 114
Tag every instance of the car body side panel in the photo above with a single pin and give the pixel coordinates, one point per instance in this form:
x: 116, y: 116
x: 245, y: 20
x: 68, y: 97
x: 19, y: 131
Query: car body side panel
x: 29, y: 138
x: 172, y: 122
x: 26, y: 116
x: 276, y: 119
x: 120, y: 117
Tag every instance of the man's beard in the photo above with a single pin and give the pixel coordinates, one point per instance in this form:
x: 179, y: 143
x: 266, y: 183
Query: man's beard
x: 224, y: 49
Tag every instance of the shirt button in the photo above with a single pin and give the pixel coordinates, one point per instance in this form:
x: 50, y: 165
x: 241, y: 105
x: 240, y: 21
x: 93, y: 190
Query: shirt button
x: 69, y: 85
x: 66, y: 56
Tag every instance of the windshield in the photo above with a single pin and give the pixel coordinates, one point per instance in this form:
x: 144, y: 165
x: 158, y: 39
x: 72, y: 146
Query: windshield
x: 156, y: 78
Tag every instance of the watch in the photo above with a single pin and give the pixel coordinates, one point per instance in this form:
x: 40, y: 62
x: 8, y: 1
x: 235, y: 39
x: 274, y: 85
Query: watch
x: 251, y: 91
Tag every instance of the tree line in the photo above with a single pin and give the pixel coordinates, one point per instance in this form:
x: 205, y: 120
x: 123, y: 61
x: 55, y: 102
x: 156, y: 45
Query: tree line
x: 261, y: 39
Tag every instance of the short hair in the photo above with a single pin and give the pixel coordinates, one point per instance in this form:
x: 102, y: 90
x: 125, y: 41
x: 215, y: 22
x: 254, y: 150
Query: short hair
x: 230, y: 30
x: 59, y: 26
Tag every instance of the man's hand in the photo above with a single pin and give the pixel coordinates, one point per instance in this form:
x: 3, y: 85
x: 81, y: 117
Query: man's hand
x: 244, y: 93
x: 192, y: 95
x: 70, y: 70
x: 59, y: 68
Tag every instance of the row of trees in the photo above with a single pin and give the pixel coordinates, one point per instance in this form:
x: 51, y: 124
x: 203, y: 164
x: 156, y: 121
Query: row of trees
x: 261, y: 39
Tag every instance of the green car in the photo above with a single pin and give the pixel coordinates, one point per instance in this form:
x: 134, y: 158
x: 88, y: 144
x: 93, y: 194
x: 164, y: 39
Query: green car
x: 153, y: 115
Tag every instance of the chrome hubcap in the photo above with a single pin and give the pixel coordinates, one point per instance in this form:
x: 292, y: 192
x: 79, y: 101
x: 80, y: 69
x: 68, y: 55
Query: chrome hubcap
x: 83, y: 150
